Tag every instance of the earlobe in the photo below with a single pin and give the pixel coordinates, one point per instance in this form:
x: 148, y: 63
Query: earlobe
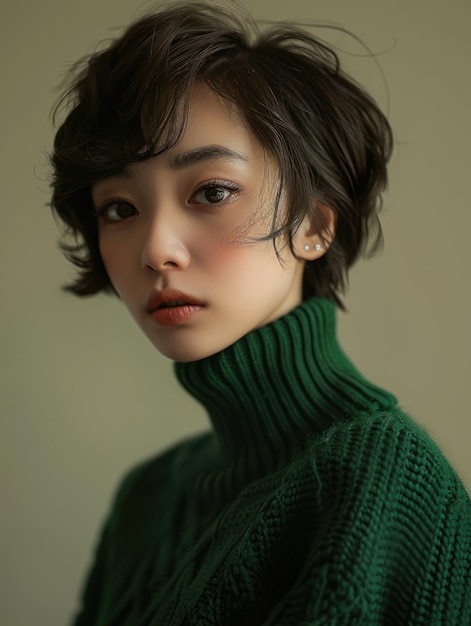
x: 311, y: 241
x: 311, y: 251
x: 317, y: 247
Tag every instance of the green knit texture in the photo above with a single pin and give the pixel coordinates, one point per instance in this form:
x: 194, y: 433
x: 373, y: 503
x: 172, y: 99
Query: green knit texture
x: 313, y: 500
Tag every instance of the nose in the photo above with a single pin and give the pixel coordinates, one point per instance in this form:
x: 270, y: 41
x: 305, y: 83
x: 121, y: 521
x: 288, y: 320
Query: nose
x: 163, y: 248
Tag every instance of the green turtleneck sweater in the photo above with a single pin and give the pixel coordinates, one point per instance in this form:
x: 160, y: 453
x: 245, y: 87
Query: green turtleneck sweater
x: 313, y: 501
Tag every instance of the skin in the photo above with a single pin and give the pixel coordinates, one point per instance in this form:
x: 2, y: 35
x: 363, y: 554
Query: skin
x: 187, y: 224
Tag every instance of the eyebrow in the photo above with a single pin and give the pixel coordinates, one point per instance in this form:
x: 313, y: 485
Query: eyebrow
x: 184, y: 159
x: 180, y: 160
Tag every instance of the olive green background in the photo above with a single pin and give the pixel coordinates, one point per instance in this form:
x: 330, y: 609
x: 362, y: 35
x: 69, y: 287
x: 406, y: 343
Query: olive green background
x: 84, y: 396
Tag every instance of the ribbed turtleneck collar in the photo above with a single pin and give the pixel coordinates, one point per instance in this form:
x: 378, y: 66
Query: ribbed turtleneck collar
x: 280, y: 383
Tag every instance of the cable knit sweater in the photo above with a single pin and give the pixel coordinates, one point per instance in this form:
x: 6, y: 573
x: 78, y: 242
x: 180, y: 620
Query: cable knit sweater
x: 313, y: 501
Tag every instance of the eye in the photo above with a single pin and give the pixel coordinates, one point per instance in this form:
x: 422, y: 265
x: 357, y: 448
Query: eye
x: 214, y: 193
x: 116, y: 211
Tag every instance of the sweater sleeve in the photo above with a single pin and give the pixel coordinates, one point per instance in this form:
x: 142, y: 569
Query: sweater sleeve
x: 392, y: 543
x: 93, y: 590
x: 102, y: 575
x: 122, y: 541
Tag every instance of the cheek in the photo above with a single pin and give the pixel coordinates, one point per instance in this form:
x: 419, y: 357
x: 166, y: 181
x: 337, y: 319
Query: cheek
x: 224, y: 254
x: 116, y: 266
x: 235, y: 264
x: 107, y: 259
x: 213, y: 250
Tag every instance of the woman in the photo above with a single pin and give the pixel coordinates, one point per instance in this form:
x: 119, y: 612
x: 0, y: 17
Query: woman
x: 221, y: 182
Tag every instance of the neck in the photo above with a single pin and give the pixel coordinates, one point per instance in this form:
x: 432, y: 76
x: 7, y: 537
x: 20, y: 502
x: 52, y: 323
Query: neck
x: 279, y: 384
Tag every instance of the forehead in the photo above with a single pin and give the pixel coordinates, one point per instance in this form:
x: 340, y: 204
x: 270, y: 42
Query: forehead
x: 214, y: 132
x: 212, y: 120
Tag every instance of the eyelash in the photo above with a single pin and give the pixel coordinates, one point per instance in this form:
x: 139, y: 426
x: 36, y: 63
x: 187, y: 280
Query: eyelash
x: 225, y: 185
x: 102, y: 211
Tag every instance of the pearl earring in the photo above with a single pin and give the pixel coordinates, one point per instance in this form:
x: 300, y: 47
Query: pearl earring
x: 317, y: 247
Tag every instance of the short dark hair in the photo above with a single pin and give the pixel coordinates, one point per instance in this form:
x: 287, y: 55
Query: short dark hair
x: 129, y: 101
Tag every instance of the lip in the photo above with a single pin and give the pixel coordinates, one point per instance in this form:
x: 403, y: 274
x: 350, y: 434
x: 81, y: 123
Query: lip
x: 172, y: 316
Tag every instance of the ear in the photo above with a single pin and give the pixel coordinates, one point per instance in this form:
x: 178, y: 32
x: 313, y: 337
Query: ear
x: 310, y: 241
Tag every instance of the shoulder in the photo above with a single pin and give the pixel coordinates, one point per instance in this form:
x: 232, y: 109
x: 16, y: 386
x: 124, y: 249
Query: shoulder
x: 382, y: 440
x: 384, y: 523
x: 386, y: 465
x: 156, y: 474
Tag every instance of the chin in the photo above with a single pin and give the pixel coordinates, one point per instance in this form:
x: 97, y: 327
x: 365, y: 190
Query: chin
x: 187, y: 351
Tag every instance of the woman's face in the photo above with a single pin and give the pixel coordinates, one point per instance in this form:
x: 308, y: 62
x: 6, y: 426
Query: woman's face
x: 176, y: 237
